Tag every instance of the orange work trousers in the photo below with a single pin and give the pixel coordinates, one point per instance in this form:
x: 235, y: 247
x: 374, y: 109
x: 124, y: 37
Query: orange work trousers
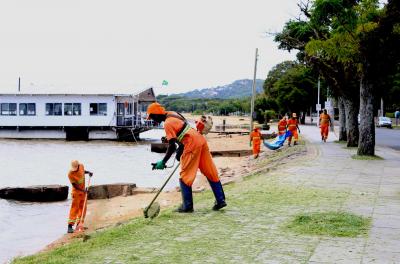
x: 256, y: 146
x: 294, y: 134
x: 75, y: 213
x: 198, y: 158
x: 324, y: 131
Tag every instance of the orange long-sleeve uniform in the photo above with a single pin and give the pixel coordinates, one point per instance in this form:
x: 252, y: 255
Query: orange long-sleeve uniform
x: 324, y: 125
x: 292, y: 124
x: 200, y: 126
x: 255, y: 137
x: 196, y: 154
x: 78, y: 196
x: 282, y: 126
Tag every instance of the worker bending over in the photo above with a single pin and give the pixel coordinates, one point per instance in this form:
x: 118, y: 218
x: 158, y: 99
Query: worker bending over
x: 255, y: 139
x: 76, y: 176
x: 282, y: 126
x: 195, y: 155
x: 200, y: 124
x: 293, y: 126
x: 325, y: 122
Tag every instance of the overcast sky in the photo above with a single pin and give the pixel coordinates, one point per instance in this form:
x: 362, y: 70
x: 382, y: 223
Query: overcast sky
x: 113, y: 46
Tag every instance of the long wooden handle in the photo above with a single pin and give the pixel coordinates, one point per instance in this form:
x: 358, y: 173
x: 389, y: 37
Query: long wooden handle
x: 82, y: 220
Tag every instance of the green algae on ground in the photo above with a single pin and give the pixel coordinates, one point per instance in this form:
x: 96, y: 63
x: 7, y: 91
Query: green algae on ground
x: 337, y: 224
x: 366, y: 157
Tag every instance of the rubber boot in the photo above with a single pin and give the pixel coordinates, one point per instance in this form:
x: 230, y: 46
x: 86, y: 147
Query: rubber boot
x: 187, y: 198
x: 70, y: 229
x: 219, y: 195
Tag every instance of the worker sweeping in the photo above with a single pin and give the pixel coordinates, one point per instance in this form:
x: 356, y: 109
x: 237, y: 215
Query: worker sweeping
x: 255, y: 140
x: 293, y: 126
x: 195, y: 155
x: 76, y: 176
x: 325, y: 122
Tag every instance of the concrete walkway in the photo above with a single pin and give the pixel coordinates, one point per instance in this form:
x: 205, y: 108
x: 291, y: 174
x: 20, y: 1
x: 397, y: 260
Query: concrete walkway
x: 376, y: 180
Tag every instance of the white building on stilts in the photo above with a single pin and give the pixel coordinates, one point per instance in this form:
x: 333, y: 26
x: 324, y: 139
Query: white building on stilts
x: 75, y: 116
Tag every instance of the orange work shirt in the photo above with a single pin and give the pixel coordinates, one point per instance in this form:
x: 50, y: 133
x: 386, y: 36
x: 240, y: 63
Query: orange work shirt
x: 282, y: 126
x: 192, y: 139
x: 77, y: 177
x: 324, y: 119
x: 255, y: 136
x: 292, y: 124
x: 200, y: 126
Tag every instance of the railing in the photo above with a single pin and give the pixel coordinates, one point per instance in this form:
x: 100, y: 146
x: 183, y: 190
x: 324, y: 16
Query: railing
x: 132, y: 121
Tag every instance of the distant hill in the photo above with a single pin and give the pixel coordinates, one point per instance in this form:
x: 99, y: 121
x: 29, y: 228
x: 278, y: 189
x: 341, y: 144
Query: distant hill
x: 237, y: 89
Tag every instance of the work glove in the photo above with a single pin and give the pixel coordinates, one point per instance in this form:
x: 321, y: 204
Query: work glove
x: 90, y: 174
x: 160, y: 165
x: 299, y: 131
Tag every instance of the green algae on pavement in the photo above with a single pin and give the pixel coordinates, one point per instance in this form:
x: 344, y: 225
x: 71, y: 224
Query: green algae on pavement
x: 336, y: 224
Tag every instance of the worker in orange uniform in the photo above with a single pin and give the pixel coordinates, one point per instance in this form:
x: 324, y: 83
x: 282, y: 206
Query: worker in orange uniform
x: 200, y: 124
x: 195, y: 155
x: 293, y: 126
x: 325, y: 122
x: 255, y: 139
x: 76, y: 176
x: 282, y: 126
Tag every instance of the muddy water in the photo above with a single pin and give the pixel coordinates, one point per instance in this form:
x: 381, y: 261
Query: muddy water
x: 28, y: 227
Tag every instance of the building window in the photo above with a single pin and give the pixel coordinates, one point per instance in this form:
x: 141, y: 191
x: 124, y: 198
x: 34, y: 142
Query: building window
x: 54, y: 109
x: 27, y: 109
x: 120, y: 109
x: 98, y: 109
x: 72, y: 109
x: 9, y: 109
x: 129, y: 109
x: 144, y: 106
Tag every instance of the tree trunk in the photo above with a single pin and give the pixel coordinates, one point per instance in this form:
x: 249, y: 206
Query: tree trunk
x: 351, y: 109
x: 366, y: 144
x: 342, y: 120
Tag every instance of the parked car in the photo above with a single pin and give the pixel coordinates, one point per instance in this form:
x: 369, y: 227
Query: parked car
x: 384, y: 121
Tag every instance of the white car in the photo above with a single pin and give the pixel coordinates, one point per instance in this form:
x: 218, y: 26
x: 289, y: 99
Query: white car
x: 384, y: 121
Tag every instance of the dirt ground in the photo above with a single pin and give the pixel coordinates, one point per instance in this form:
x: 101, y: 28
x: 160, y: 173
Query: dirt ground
x: 108, y: 212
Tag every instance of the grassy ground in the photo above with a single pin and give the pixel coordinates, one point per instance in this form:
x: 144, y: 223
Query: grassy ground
x: 341, y: 224
x: 252, y: 229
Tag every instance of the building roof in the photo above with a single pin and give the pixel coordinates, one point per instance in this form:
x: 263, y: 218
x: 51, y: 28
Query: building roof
x: 134, y: 93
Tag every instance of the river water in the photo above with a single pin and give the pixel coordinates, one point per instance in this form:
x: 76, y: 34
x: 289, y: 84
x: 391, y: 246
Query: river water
x: 27, y: 227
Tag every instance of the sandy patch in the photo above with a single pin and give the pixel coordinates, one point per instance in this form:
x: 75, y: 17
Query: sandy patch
x: 108, y: 212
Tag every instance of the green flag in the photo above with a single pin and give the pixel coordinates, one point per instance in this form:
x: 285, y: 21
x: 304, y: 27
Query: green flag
x: 164, y: 82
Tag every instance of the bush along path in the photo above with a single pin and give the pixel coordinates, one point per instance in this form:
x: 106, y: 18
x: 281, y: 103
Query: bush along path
x: 260, y: 225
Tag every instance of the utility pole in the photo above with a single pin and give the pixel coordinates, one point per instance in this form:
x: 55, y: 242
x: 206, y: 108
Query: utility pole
x: 254, y: 92
x: 318, y: 104
x: 19, y: 84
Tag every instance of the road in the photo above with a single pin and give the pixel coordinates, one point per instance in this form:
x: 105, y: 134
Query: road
x: 387, y: 137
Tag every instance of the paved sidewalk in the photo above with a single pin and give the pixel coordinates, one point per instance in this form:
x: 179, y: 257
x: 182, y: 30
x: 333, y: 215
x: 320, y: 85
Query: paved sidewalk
x: 376, y: 180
